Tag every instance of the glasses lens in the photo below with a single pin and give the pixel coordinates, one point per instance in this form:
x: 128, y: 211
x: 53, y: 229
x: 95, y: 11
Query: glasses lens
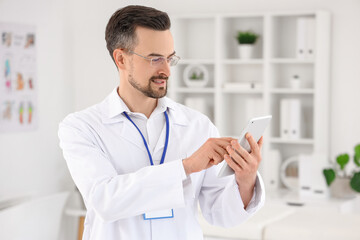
x: 157, y: 61
x: 173, y: 60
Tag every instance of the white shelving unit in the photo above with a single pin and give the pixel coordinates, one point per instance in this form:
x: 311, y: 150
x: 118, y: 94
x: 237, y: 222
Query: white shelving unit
x: 210, y: 40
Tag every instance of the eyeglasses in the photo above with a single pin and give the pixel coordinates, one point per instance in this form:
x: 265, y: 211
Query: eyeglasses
x: 157, y: 61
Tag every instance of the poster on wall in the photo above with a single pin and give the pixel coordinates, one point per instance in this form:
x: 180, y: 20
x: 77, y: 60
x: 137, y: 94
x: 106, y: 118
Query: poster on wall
x: 18, y: 79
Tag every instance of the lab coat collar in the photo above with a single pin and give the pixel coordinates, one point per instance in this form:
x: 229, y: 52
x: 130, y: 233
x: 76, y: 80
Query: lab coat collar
x: 113, y: 107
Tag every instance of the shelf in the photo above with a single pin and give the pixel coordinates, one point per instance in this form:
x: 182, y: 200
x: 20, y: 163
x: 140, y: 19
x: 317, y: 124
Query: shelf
x: 244, y: 91
x: 196, y: 61
x: 293, y: 14
x: 257, y: 86
x: 195, y: 90
x: 292, y: 91
x: 309, y: 141
x: 243, y: 61
x: 291, y: 61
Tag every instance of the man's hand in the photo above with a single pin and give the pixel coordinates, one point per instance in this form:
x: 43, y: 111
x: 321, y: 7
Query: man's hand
x: 210, y: 153
x: 245, y: 165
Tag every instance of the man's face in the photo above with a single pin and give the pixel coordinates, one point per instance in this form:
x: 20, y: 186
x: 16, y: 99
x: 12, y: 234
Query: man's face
x: 151, y: 80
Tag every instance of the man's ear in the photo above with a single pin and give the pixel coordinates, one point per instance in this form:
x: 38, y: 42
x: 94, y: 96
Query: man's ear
x: 118, y: 55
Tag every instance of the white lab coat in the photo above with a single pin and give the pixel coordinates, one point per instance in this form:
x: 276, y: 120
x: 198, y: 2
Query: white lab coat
x: 108, y: 161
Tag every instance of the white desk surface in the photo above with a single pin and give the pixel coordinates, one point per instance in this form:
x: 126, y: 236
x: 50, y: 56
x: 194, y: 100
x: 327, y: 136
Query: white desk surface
x: 12, y: 201
x: 281, y: 207
x: 280, y: 197
x: 252, y: 228
x: 326, y: 225
x: 292, y: 198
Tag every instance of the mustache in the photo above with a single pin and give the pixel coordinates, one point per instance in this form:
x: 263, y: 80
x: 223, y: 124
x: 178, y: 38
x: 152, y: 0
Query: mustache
x: 159, y: 77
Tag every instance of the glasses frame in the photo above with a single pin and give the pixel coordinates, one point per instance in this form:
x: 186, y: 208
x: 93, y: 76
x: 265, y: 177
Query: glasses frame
x: 164, y: 59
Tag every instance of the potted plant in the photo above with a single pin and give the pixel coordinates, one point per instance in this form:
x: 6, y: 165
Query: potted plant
x: 246, y: 40
x: 343, y: 183
x: 196, y: 75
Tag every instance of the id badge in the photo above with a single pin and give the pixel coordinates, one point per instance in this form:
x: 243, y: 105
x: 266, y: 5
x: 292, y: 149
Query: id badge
x: 167, y: 213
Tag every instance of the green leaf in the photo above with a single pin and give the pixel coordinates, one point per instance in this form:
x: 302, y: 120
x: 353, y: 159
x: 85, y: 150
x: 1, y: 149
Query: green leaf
x: 247, y: 37
x: 357, y: 155
x: 193, y: 76
x: 355, y: 182
x: 342, y: 160
x: 329, y: 175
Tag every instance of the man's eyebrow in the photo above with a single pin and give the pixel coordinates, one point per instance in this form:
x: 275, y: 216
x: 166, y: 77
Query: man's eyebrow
x: 159, y: 55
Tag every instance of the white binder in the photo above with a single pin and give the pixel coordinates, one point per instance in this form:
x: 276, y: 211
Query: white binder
x: 300, y: 38
x: 294, y: 118
x: 290, y: 118
x: 271, y: 169
x: 305, y: 38
x: 284, y: 113
x: 310, y: 38
x: 312, y: 181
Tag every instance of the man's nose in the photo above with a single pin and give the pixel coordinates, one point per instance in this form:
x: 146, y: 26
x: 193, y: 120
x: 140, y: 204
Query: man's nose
x: 165, y: 68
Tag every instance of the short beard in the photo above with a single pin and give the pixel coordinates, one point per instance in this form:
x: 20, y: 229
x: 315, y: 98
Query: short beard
x: 147, y: 90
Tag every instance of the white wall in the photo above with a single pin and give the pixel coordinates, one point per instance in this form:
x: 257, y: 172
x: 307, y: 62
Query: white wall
x: 95, y: 74
x: 31, y: 162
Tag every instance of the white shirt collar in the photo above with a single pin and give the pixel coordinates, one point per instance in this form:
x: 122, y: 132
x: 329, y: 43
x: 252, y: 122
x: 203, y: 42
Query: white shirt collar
x: 114, y: 106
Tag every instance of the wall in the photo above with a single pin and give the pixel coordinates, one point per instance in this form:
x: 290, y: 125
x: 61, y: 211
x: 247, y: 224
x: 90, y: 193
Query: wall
x: 31, y: 162
x: 95, y: 74
x: 75, y: 71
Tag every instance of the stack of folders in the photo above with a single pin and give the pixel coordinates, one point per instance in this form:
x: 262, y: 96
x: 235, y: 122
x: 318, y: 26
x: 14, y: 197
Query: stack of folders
x: 290, y: 118
x: 311, y: 182
x: 305, y: 48
x: 271, y: 169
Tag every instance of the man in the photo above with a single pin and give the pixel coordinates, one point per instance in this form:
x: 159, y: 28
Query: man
x: 141, y: 161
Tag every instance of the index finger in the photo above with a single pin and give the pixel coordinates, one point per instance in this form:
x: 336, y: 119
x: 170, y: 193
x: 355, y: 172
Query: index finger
x: 224, y: 141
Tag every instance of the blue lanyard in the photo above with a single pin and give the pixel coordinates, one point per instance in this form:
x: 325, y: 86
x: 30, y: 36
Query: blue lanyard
x: 144, y: 140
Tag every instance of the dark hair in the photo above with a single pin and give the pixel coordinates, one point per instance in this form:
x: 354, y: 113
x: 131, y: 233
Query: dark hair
x: 120, y: 30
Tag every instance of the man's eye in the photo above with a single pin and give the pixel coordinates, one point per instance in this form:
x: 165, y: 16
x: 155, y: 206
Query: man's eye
x: 155, y: 60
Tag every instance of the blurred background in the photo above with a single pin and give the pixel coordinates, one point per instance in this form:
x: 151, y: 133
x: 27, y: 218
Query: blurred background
x: 73, y: 70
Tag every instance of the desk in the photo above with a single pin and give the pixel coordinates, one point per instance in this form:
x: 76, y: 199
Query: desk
x: 286, y: 215
x: 292, y: 198
x: 252, y: 229
x: 80, y: 213
x: 314, y: 225
x: 269, y: 220
x: 12, y: 201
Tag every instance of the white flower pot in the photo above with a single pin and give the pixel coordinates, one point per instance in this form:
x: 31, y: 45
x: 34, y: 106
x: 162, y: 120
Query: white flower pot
x: 340, y: 188
x: 295, y: 82
x: 246, y: 51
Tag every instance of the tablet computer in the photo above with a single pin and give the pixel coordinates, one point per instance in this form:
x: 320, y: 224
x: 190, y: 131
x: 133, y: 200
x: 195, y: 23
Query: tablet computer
x: 256, y: 127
